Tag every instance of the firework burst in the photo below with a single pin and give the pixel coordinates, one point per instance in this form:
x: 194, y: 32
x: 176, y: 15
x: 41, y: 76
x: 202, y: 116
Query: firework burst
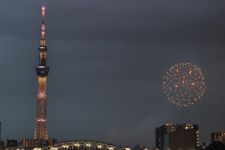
x: 184, y: 84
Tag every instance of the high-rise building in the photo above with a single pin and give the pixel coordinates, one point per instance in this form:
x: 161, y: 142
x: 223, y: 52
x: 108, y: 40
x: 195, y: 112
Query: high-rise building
x: 218, y: 136
x: 40, y: 132
x: 177, y: 137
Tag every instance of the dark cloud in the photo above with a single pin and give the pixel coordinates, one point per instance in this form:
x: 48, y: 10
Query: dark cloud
x: 107, y: 59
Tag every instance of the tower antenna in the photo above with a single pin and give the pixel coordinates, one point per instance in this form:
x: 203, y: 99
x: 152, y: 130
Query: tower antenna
x: 43, y: 32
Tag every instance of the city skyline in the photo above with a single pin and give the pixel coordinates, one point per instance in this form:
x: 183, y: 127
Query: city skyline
x: 107, y: 68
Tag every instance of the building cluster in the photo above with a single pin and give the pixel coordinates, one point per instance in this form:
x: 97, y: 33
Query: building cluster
x: 218, y: 136
x: 167, y: 137
x: 176, y: 137
x: 182, y: 137
x: 24, y: 144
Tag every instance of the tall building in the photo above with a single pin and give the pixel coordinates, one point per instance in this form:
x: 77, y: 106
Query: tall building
x: 218, y: 136
x: 40, y: 132
x: 177, y: 137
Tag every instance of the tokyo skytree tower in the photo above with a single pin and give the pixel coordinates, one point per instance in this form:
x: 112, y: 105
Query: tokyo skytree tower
x: 40, y: 132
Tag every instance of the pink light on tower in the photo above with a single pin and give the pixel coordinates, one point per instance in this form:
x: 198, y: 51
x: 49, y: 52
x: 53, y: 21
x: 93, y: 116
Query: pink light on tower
x: 40, y: 132
x: 43, y: 13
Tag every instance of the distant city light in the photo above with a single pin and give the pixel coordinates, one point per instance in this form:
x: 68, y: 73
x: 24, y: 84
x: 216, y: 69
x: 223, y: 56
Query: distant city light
x: 99, y: 146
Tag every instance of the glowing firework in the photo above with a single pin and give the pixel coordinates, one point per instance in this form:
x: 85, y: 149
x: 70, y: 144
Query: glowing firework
x: 184, y: 84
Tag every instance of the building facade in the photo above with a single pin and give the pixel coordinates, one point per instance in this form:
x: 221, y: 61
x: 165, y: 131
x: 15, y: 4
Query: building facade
x: 177, y: 137
x: 218, y: 136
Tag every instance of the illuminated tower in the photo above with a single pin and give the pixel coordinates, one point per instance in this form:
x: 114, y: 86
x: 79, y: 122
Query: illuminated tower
x: 40, y: 132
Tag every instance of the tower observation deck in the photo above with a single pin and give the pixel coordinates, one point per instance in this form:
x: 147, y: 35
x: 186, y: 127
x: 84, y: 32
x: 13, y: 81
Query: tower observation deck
x: 41, y: 132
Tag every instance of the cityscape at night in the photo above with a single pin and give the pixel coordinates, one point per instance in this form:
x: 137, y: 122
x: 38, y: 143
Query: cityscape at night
x: 112, y: 75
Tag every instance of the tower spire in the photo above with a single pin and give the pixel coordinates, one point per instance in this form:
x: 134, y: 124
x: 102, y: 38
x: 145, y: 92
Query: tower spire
x: 43, y: 33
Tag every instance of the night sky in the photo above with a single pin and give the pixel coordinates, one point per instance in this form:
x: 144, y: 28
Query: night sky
x: 107, y: 59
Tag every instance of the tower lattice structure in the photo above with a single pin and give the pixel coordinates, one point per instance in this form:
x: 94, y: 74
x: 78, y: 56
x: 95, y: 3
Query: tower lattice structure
x: 41, y: 132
